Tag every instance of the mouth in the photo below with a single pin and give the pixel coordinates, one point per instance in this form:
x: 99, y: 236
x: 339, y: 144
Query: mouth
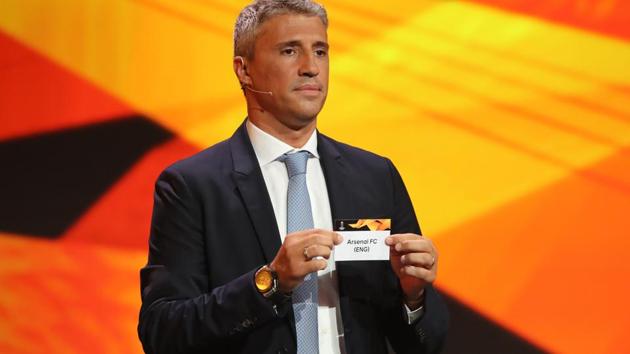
x: 309, y: 88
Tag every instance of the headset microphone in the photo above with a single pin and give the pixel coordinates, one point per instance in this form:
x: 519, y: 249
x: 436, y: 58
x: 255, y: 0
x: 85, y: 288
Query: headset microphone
x: 263, y: 92
x: 247, y: 87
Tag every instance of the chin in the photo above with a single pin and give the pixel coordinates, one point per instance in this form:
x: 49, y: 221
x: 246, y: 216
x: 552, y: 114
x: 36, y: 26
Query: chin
x: 307, y: 116
x: 304, y: 118
x: 308, y: 111
x: 299, y: 119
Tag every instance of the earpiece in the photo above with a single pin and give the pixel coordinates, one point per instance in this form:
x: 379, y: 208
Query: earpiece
x: 245, y: 86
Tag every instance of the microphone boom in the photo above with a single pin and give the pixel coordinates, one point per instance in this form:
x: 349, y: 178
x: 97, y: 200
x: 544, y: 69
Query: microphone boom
x: 263, y: 92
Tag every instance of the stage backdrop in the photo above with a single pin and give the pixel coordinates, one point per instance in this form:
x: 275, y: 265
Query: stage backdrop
x: 508, y: 119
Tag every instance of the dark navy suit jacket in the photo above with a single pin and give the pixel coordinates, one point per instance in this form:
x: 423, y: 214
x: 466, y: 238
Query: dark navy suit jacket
x: 213, y: 226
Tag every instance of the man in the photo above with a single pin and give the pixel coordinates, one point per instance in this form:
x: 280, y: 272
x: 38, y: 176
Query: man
x: 241, y: 253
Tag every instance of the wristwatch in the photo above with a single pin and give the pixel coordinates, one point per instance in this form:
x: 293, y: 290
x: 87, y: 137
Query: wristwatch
x: 266, y: 280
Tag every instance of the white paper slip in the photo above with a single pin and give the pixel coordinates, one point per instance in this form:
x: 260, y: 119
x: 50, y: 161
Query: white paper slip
x: 363, y: 240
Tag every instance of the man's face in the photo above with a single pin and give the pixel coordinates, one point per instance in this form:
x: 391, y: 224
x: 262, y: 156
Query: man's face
x: 291, y: 60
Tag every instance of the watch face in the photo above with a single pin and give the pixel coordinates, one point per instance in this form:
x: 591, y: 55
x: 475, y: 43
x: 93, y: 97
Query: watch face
x: 264, y: 280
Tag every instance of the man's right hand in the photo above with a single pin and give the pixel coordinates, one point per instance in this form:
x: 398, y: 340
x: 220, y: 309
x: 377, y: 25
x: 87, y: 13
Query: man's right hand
x: 300, y: 255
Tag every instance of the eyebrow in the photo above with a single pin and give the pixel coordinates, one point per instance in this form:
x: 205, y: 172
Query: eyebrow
x: 296, y: 43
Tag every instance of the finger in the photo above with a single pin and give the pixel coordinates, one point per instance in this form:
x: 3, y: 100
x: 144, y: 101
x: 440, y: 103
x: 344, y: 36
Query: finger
x: 309, y: 232
x: 315, y: 265
x: 313, y: 251
x: 396, y: 238
x: 415, y: 245
x: 320, y: 240
x: 419, y: 272
x: 335, y: 236
x: 423, y: 259
x: 297, y: 242
x: 323, y: 237
x: 338, y: 238
x: 327, y: 233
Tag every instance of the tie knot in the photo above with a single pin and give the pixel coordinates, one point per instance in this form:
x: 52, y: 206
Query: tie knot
x: 296, y: 162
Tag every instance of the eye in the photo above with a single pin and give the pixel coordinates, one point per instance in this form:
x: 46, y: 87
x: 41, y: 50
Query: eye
x: 288, y: 51
x: 321, y: 52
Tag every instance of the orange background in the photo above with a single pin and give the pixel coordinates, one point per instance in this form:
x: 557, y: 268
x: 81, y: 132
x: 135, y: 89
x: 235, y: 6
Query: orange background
x: 509, y: 121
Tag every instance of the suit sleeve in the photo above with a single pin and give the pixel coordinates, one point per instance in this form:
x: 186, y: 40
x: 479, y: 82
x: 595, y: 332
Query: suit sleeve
x: 179, y: 313
x: 428, y: 333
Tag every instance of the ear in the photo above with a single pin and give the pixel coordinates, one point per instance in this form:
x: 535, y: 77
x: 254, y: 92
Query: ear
x: 240, y: 69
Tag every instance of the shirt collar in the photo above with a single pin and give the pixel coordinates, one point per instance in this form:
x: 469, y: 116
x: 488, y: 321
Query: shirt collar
x: 268, y: 148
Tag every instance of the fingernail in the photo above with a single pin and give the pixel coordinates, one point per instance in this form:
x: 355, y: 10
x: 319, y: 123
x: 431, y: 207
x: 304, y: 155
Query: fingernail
x: 402, y: 259
x: 398, y: 247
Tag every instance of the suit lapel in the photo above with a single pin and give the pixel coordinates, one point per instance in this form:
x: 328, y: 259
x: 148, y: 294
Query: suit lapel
x: 336, y: 174
x: 251, y: 185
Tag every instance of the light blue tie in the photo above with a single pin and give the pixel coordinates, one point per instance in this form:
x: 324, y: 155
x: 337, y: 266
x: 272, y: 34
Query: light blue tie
x: 300, y: 217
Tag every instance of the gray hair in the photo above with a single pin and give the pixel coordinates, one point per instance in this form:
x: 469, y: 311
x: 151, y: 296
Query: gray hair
x: 256, y: 13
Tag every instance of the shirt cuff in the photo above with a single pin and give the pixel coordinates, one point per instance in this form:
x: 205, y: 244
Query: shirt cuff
x: 412, y: 316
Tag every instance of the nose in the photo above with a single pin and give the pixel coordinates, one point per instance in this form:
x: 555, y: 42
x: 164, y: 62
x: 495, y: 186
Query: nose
x: 308, y: 66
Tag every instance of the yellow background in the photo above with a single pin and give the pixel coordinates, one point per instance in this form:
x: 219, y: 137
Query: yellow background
x: 511, y: 131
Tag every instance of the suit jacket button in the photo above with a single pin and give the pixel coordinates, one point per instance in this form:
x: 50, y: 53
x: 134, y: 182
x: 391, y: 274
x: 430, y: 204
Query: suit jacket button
x: 422, y: 335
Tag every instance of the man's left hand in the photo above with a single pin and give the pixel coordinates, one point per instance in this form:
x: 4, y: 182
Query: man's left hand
x: 414, y: 260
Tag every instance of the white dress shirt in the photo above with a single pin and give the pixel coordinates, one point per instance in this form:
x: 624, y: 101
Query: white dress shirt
x: 268, y: 149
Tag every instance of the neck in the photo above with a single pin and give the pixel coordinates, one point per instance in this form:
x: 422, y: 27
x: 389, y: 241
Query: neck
x: 296, y: 132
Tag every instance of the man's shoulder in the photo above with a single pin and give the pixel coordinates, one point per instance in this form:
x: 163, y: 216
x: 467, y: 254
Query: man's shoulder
x: 355, y: 155
x: 210, y: 161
